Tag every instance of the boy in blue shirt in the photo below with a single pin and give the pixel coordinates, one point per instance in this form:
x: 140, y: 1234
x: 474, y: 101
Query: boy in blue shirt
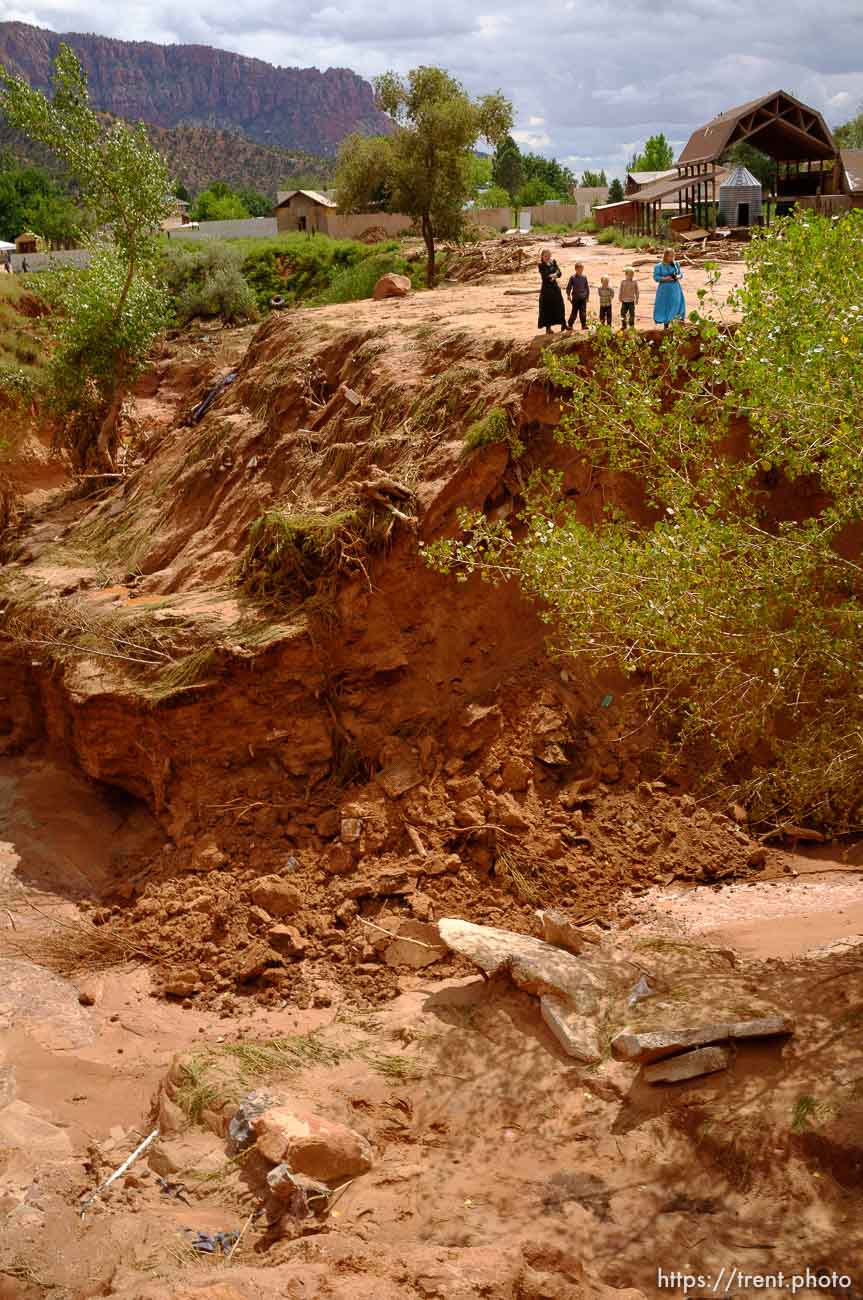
x: 578, y: 292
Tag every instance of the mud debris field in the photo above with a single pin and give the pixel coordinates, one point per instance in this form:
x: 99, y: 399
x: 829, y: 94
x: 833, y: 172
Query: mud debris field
x: 253, y: 750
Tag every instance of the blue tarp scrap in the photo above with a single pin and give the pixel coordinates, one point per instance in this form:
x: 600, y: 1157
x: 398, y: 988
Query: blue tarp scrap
x: 203, y: 407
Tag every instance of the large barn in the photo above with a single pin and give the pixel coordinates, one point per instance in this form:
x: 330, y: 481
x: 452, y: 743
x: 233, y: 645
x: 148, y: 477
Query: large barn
x: 808, y: 169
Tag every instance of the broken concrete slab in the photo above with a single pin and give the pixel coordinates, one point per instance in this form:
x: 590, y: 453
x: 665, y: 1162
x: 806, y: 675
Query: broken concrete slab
x: 577, y: 1034
x: 690, y: 1065
x: 537, y: 966
x: 533, y: 965
x: 642, y: 1046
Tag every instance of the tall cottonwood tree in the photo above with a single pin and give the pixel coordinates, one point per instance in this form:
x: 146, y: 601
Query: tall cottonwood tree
x: 107, y: 314
x: 424, y: 168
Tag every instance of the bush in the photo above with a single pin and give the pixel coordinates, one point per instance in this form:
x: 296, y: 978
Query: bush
x: 494, y: 427
x: 359, y: 280
x: 206, y: 279
x: 299, y: 268
x: 740, y: 605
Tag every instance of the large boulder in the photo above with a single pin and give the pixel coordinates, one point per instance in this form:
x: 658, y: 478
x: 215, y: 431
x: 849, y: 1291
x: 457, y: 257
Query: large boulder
x: 310, y: 1145
x: 391, y: 286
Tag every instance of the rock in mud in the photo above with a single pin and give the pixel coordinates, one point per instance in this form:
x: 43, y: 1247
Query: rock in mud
x: 240, y: 1131
x: 536, y: 966
x: 640, y: 1048
x: 676, y: 1069
x: 416, y: 944
x: 310, y: 1145
x: 276, y: 896
x: 578, y: 1035
x: 22, y: 1128
x: 391, y: 286
x: 287, y: 940
x: 207, y: 855
x: 558, y: 930
x: 304, y: 1195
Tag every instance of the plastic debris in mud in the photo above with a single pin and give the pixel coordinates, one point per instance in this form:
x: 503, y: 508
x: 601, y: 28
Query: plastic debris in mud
x: 203, y: 407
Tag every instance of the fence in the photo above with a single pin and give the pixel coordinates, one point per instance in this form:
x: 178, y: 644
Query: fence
x: 44, y: 261
x: 250, y: 227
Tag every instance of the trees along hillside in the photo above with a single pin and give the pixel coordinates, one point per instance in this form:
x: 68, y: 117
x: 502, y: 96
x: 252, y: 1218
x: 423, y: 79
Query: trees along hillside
x: 424, y: 168
x: 106, y: 315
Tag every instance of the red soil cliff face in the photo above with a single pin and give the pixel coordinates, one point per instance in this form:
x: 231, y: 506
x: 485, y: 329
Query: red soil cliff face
x: 300, y: 108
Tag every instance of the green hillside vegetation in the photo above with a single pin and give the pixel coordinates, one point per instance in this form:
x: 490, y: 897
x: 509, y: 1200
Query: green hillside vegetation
x: 198, y: 155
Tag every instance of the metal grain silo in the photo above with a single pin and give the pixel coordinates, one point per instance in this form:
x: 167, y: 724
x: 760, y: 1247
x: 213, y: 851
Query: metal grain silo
x: 740, y: 198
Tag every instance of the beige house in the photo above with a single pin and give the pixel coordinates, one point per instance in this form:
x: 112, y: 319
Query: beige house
x: 177, y: 216
x: 303, y: 210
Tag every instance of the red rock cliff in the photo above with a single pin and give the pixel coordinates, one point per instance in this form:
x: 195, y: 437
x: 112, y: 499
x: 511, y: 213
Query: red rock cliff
x: 298, y: 108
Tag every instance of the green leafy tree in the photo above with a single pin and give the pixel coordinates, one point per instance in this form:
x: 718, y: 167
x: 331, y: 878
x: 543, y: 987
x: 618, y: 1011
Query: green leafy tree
x: 615, y: 191
x: 657, y: 156
x: 24, y: 190
x: 218, y: 203
x: 494, y: 197
x: 480, y: 173
x: 424, y: 168
x: 725, y: 575
x: 534, y: 193
x: 54, y: 217
x: 106, y: 315
x: 590, y: 179
x: 558, y: 180
x: 508, y: 167
x: 257, y: 205
x: 850, y: 134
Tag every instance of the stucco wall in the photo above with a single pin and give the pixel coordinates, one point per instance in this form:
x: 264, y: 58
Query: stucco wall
x: 349, y: 225
x: 263, y: 227
x: 495, y: 217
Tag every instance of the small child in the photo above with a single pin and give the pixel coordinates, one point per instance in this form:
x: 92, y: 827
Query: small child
x: 578, y: 292
x: 606, y: 293
x: 628, y: 296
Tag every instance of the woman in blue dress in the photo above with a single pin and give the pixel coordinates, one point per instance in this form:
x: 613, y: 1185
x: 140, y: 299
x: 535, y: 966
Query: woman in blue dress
x: 670, y: 303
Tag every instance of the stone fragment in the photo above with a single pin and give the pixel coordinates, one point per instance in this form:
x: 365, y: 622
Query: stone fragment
x: 639, y: 1047
x: 470, y: 813
x: 22, y: 1128
x: 515, y: 775
x: 276, y: 896
x: 287, y: 940
x: 506, y: 812
x: 391, y: 286
x: 560, y: 931
x: 181, y: 983
x: 578, y: 1035
x: 536, y: 966
x: 201, y: 1152
x: 338, y: 860
x: 676, y: 1069
x: 311, y: 1145
x: 416, y: 945
x: 304, y: 1195
x: 207, y: 856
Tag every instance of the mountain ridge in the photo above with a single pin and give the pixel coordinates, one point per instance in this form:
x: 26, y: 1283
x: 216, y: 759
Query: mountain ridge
x: 199, y: 85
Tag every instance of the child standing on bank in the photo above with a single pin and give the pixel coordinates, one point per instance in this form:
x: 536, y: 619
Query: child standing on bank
x: 606, y: 293
x: 627, y: 296
x: 578, y: 292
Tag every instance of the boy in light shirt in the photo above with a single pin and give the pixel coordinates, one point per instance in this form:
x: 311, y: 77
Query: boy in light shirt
x: 627, y: 296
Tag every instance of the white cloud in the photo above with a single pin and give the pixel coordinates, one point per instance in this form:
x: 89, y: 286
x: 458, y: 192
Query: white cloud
x: 589, y: 81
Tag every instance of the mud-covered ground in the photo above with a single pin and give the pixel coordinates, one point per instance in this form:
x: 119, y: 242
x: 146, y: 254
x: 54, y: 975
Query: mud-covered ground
x: 221, y: 802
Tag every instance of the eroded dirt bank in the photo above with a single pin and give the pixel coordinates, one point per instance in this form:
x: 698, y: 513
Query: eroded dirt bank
x: 233, y: 774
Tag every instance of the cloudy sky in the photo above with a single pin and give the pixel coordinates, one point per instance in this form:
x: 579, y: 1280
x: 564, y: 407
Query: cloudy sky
x: 589, y: 79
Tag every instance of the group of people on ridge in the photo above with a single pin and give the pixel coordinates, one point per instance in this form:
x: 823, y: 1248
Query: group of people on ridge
x: 670, y: 304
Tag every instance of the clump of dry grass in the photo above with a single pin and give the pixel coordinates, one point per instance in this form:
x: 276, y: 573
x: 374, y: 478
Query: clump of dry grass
x: 69, y: 947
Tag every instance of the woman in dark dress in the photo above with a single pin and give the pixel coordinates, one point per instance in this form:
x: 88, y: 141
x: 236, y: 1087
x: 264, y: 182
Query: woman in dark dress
x: 552, y: 310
